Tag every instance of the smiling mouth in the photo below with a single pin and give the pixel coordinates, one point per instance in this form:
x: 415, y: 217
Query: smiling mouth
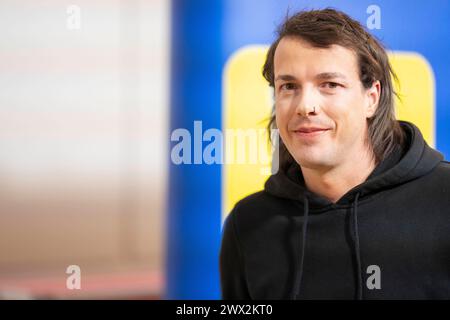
x: 310, y: 132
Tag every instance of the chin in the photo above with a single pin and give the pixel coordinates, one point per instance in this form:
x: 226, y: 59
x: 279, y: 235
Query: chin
x: 312, y: 162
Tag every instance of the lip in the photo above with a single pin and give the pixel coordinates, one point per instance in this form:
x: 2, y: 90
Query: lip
x: 309, y: 132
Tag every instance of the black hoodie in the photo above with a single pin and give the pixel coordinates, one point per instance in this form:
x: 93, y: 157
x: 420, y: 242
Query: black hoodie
x: 286, y: 242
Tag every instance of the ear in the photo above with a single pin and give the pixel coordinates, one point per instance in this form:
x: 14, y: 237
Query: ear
x: 373, y: 98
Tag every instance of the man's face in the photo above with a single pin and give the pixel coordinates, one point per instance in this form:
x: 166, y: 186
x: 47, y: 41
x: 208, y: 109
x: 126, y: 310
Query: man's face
x: 321, y: 105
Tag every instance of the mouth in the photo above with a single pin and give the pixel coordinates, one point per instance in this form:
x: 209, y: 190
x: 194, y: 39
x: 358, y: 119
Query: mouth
x: 310, y: 132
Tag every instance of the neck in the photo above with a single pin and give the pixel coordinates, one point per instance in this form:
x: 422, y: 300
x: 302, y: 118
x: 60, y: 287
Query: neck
x: 333, y: 183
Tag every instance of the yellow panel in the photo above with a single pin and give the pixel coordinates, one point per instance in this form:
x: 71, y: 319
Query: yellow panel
x: 416, y: 92
x: 247, y: 104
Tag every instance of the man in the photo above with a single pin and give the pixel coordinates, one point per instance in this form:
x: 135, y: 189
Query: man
x: 360, y: 205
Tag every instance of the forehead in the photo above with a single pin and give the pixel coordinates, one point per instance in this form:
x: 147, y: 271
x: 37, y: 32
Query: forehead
x: 299, y: 58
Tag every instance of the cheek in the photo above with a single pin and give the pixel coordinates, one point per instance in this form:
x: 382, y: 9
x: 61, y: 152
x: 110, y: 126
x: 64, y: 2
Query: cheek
x: 282, y: 113
x: 282, y: 117
x: 349, y: 123
x: 345, y: 110
x: 281, y: 122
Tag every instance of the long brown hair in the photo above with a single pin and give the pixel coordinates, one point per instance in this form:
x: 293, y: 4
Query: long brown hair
x: 323, y: 28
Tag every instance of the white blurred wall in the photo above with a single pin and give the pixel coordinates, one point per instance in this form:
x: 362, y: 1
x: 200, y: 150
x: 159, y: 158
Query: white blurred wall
x: 83, y: 121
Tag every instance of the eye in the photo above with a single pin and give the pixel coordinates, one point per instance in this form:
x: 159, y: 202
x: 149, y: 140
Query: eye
x: 288, y: 86
x: 331, y: 85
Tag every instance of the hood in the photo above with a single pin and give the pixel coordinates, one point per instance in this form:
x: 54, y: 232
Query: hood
x: 410, y: 161
x: 407, y: 162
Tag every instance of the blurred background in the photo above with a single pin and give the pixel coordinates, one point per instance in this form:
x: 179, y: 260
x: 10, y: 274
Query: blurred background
x: 90, y: 94
x: 83, y: 138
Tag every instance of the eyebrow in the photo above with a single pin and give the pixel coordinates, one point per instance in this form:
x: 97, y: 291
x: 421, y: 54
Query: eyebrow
x: 285, y: 77
x: 330, y: 75
x: 320, y: 76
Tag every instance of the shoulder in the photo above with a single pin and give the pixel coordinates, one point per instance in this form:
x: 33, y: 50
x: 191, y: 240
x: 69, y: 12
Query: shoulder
x: 445, y: 165
x: 252, y: 201
x: 442, y: 171
x: 435, y: 185
x: 257, y: 209
x: 258, y: 203
x: 249, y: 207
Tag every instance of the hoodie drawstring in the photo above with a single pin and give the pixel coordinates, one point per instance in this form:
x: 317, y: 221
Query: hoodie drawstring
x: 357, y: 251
x: 299, y: 273
x: 359, y: 285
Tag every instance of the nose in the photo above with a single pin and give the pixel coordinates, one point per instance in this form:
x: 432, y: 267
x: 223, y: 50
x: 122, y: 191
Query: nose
x: 306, y: 103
